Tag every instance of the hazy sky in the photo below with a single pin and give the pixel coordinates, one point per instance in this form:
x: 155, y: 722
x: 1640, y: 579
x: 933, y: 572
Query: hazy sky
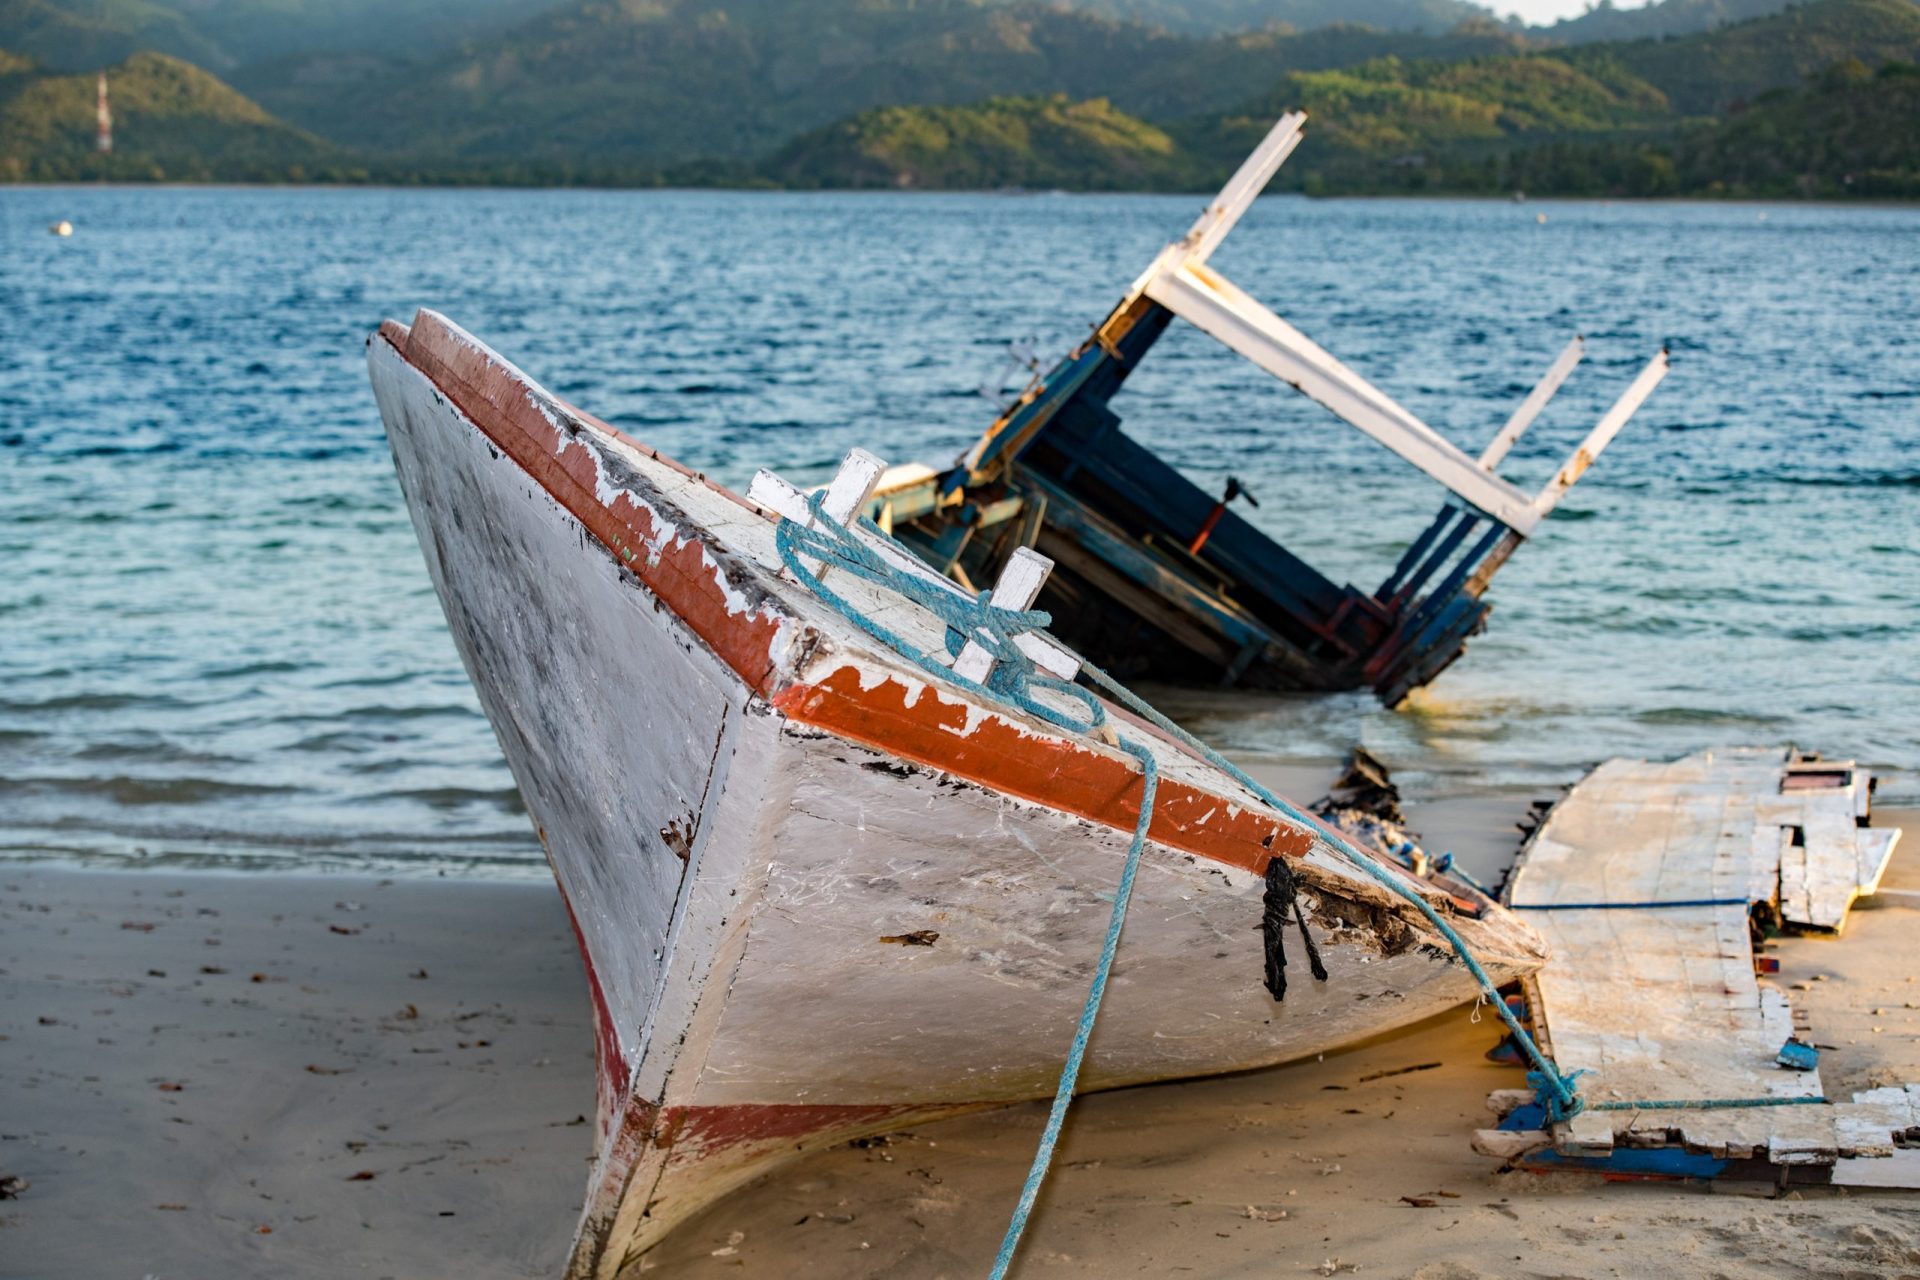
x: 1542, y: 11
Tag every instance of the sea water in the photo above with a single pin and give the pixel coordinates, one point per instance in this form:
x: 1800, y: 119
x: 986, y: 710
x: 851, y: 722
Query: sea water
x: 218, y: 642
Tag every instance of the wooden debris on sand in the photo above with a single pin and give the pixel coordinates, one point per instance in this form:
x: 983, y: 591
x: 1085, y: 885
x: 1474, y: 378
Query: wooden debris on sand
x: 1651, y: 880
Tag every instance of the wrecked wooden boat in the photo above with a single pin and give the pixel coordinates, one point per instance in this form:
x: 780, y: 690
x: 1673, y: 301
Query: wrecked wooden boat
x: 822, y: 890
x: 1653, y: 881
x: 1156, y: 578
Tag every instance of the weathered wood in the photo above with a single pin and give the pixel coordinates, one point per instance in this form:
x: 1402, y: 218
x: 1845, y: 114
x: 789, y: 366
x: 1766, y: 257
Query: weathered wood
x: 1529, y: 409
x: 1502, y: 1102
x: 1025, y: 573
x: 777, y: 495
x: 1600, y: 437
x: 1510, y: 1144
x: 1642, y: 878
x: 1222, y: 311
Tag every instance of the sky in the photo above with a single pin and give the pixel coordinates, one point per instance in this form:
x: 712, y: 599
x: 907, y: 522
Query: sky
x: 1541, y: 12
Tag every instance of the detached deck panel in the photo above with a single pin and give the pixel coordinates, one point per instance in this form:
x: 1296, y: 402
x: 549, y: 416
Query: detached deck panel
x: 1647, y: 880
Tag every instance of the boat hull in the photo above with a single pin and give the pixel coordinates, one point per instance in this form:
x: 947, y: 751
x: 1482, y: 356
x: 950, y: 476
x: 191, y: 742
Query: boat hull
x: 817, y: 898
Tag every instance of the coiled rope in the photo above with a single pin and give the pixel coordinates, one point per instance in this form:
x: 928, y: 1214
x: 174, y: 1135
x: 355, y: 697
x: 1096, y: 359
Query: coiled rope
x: 1012, y: 681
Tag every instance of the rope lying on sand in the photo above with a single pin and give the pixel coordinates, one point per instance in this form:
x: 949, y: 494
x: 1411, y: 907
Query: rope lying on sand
x: 1012, y: 681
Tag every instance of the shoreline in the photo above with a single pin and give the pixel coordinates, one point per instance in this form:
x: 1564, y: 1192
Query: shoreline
x: 206, y: 1067
x: 1783, y: 201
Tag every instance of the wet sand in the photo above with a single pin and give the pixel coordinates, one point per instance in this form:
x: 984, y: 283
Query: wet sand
x: 294, y: 1076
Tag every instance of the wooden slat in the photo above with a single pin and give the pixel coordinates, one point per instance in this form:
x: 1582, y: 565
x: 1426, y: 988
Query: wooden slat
x: 1658, y: 1001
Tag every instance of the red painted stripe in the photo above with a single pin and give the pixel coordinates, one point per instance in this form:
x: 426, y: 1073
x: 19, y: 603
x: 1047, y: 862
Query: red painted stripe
x: 1050, y: 771
x: 614, y: 1072
x: 502, y: 406
x: 998, y: 753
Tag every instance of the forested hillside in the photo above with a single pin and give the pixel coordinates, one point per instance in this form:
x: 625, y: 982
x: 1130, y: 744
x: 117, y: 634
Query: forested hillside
x: 962, y: 93
x: 172, y: 122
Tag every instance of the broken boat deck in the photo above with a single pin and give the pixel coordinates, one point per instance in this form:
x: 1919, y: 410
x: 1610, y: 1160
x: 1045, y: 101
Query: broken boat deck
x: 1649, y: 880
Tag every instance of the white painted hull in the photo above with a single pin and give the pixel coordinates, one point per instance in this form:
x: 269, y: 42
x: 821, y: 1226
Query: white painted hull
x: 816, y: 896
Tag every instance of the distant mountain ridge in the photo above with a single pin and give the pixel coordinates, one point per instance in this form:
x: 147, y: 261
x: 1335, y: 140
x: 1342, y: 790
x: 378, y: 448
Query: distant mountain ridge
x: 670, y: 81
x: 225, y: 35
x: 1225, y: 17
x: 220, y: 35
x: 932, y: 93
x: 1644, y: 117
x: 171, y: 122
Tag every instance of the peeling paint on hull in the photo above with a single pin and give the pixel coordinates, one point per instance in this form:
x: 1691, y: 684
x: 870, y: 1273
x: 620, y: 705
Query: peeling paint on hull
x: 747, y: 807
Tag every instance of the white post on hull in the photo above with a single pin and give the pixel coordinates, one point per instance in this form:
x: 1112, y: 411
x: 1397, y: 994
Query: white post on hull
x: 1179, y: 280
x: 1020, y: 582
x: 848, y: 492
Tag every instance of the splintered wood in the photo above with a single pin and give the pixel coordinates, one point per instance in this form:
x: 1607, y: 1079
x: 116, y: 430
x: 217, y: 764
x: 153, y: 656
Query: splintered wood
x: 1643, y: 879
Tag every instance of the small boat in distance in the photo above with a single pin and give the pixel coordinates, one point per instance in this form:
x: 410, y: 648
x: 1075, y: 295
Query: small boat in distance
x: 1158, y: 579
x: 823, y: 890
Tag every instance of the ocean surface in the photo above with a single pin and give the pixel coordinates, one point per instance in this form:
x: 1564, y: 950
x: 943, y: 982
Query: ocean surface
x: 218, y: 642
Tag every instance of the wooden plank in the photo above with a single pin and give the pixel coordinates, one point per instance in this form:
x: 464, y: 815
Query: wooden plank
x: 1833, y: 867
x: 1020, y: 582
x: 1602, y: 435
x: 1769, y: 851
x: 1656, y: 1000
x: 1223, y: 213
x: 1875, y: 846
x: 1222, y: 311
x: 1536, y: 400
x: 1900, y: 1171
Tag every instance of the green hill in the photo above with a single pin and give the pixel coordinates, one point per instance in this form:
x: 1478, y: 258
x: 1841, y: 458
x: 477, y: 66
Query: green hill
x: 1385, y: 125
x: 1590, y: 121
x: 923, y: 93
x: 171, y: 121
x: 1031, y: 143
x: 1391, y: 125
x: 1215, y: 17
x: 1708, y: 73
x: 633, y: 85
x: 1850, y: 131
x: 219, y: 35
x: 1396, y: 110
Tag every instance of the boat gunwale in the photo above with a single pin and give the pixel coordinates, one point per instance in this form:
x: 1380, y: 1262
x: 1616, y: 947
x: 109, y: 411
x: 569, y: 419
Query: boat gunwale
x: 1188, y: 819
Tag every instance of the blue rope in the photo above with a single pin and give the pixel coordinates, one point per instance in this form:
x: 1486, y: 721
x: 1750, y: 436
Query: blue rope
x: 1704, y: 1104
x: 1554, y: 1089
x: 1070, y: 1073
x: 1012, y: 681
x: 1628, y: 906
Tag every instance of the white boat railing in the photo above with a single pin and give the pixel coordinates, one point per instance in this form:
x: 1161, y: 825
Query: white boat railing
x: 1180, y: 280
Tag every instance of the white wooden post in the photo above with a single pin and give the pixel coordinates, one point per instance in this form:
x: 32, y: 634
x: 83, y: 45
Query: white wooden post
x: 1019, y: 584
x: 1602, y: 434
x: 775, y: 494
x: 1245, y: 186
x: 1536, y: 401
x: 852, y: 485
x: 846, y: 494
x: 1218, y: 308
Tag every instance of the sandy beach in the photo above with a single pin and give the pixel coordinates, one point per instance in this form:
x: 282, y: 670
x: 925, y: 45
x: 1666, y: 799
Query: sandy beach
x: 301, y: 1075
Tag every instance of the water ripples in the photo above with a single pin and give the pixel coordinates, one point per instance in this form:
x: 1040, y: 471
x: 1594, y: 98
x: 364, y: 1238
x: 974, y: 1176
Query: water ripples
x: 218, y: 643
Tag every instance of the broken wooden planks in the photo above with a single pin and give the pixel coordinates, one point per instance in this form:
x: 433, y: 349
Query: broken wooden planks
x: 1647, y: 879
